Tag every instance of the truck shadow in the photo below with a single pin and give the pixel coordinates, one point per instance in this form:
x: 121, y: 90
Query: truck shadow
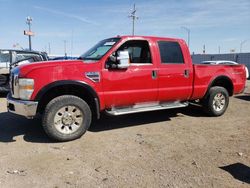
x: 12, y: 126
x: 116, y: 122
x: 239, y: 171
x: 243, y: 97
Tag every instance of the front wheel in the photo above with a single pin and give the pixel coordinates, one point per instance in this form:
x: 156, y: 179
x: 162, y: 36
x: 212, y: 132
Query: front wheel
x: 216, y: 103
x: 66, y: 118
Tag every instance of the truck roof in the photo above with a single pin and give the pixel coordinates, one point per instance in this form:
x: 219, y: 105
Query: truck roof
x: 148, y: 37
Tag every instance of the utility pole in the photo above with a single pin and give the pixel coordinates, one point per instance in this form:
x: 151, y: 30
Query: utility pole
x: 29, y: 33
x: 71, y: 44
x: 188, y: 33
x: 49, y: 49
x: 204, y: 49
x: 134, y: 17
x: 241, y: 44
x: 219, y: 49
x: 65, y: 50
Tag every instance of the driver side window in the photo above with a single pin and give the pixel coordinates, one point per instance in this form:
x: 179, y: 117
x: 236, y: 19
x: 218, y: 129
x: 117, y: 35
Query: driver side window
x: 139, y: 51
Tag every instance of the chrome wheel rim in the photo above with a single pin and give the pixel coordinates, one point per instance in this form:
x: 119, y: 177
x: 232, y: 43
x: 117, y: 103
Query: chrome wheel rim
x: 219, y: 102
x: 68, y: 119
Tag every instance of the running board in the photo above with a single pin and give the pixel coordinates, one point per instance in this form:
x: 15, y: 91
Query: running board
x: 146, y: 107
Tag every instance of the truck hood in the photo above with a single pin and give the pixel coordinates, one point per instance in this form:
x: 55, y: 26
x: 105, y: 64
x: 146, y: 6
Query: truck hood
x: 27, y: 68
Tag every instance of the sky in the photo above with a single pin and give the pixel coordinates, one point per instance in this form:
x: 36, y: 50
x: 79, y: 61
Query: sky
x: 79, y: 24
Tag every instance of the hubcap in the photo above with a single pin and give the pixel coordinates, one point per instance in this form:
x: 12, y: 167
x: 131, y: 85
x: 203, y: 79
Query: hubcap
x: 68, y: 119
x: 219, y: 102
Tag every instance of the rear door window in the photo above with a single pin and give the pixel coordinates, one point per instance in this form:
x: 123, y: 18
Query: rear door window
x: 170, y: 52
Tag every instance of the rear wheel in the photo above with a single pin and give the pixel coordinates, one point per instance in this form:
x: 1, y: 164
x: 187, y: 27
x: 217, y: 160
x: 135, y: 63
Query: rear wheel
x: 66, y: 118
x: 216, y: 103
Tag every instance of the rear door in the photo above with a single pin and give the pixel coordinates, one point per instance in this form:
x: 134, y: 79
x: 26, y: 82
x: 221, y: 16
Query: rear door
x: 175, y: 73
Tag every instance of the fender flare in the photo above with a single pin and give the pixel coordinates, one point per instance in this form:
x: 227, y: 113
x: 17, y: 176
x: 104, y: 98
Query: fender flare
x: 219, y: 78
x: 82, y: 84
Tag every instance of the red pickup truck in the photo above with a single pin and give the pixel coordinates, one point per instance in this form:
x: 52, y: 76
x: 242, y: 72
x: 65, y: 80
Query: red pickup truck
x: 120, y: 75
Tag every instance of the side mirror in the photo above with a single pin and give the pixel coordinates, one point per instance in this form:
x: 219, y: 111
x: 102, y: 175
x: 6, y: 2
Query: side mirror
x: 119, y: 61
x: 123, y: 59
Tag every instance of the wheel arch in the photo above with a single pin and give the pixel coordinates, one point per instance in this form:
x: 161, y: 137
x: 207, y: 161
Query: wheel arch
x: 69, y: 87
x: 222, y: 81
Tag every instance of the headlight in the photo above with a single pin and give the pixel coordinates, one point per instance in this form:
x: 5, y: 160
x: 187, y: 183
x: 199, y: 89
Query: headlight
x: 26, y: 88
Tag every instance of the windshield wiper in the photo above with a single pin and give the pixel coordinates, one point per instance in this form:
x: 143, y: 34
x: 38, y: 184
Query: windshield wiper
x: 86, y: 58
x: 80, y: 58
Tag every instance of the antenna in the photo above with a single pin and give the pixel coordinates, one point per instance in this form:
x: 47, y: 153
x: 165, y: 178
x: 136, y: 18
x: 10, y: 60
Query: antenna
x: 134, y: 17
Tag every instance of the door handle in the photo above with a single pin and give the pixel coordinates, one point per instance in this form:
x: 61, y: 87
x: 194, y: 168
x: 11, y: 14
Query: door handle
x: 154, y: 74
x: 186, y: 73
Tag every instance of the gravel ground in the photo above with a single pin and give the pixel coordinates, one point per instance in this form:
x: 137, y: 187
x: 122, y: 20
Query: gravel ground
x: 170, y: 148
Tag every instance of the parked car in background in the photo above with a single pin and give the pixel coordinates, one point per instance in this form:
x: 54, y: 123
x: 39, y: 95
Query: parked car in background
x: 225, y: 62
x: 13, y: 58
x: 54, y: 58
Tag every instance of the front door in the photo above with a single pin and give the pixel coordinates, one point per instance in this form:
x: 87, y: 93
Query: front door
x: 134, y: 85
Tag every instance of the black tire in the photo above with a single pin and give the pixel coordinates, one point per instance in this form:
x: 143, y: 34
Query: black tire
x: 52, y: 111
x: 215, y: 107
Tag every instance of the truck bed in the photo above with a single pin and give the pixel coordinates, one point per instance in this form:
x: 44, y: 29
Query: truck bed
x: 205, y: 75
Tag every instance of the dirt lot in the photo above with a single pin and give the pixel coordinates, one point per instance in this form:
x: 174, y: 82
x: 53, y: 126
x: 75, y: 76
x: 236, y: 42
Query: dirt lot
x: 170, y: 148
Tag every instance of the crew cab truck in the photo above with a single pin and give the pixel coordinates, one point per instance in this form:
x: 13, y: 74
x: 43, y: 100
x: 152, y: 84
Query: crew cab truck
x: 120, y: 75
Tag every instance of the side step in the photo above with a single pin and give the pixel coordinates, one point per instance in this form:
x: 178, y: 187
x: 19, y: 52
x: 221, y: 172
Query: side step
x: 145, y: 107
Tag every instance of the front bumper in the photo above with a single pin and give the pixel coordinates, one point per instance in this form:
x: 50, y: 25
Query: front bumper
x: 21, y: 107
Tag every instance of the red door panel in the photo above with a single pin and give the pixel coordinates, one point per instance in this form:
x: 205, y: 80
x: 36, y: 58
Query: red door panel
x: 175, y: 72
x: 175, y: 82
x: 130, y: 86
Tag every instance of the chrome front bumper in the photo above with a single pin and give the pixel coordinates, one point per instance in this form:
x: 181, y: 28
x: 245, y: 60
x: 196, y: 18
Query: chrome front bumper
x: 21, y: 107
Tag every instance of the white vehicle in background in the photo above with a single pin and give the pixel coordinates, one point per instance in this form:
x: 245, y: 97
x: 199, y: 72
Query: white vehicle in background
x: 225, y: 62
x: 12, y: 58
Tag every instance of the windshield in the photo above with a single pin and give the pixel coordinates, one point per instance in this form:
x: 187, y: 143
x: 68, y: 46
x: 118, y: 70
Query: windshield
x: 100, y: 49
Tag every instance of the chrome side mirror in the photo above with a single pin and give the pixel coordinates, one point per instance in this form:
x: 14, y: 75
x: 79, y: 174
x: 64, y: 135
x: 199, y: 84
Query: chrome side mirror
x: 123, y: 60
